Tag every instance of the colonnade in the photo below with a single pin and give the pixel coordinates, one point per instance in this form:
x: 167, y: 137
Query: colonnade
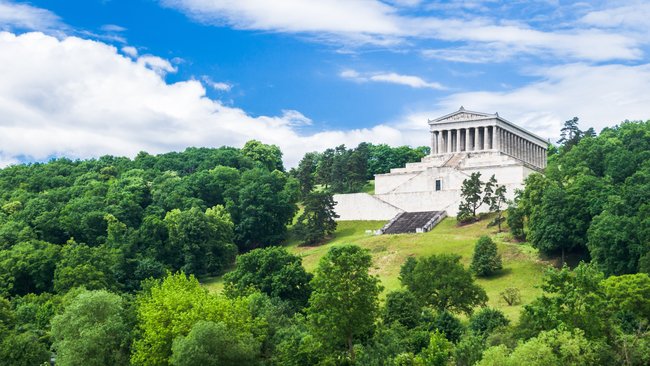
x: 484, y: 139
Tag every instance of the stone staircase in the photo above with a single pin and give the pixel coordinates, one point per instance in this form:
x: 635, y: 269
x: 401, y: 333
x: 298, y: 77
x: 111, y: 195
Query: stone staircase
x: 454, y: 160
x: 413, y: 222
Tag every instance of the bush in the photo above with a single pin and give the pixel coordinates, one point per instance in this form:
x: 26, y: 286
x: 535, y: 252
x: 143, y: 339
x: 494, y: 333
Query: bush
x: 511, y: 296
x: 486, y: 320
x: 401, y: 306
x: 516, y: 223
x: 486, y: 261
x: 449, y: 325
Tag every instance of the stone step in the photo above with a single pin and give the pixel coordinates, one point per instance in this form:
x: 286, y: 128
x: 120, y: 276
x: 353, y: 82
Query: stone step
x: 412, y: 222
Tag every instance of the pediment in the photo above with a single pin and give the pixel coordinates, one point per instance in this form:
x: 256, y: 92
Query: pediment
x: 462, y: 115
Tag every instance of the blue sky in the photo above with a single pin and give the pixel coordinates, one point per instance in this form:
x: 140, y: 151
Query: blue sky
x: 91, y: 77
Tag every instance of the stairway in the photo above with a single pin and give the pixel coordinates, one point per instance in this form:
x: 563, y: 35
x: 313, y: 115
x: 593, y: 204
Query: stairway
x: 454, y: 160
x: 413, y: 222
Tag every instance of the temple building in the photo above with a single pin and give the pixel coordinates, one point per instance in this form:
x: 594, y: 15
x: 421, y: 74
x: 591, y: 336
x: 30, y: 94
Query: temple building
x: 462, y: 142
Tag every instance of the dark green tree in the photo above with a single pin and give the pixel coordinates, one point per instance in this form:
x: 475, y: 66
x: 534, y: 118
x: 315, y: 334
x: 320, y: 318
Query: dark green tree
x: 471, y: 197
x: 317, y: 221
x: 269, y: 156
x: 23, y: 349
x: 401, y: 306
x: 441, y: 282
x: 486, y: 320
x: 272, y: 271
x: 486, y: 261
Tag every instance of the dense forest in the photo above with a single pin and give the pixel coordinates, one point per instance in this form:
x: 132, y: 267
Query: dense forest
x: 100, y: 262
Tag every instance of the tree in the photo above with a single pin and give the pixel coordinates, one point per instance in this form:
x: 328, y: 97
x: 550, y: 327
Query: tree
x: 92, y: 330
x: 306, y: 172
x: 486, y: 320
x: 471, y: 199
x: 23, y: 349
x: 494, y: 197
x: 344, y: 302
x: 266, y: 203
x: 439, y: 351
x: 401, y: 306
x: 317, y: 220
x: 213, y: 344
x: 449, y: 325
x: 570, y: 134
x: 171, y: 307
x: 269, y: 156
x: 515, y: 221
x: 273, y: 271
x: 486, y: 261
x: 200, y: 242
x: 90, y: 267
x: 441, y: 282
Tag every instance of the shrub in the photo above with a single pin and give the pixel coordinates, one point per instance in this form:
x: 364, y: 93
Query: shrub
x: 486, y: 261
x: 511, y: 296
x: 486, y: 320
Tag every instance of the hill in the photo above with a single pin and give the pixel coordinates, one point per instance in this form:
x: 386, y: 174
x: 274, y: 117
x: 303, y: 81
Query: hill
x: 522, y: 267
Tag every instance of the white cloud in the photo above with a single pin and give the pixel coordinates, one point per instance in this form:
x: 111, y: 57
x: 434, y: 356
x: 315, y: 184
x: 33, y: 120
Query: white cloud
x: 131, y: 51
x: 600, y: 96
x: 157, y: 64
x: 390, y: 77
x: 373, y: 21
x: 216, y: 85
x: 80, y: 98
x: 24, y: 16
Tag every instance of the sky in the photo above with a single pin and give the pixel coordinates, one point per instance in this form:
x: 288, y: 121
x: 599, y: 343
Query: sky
x: 86, y: 78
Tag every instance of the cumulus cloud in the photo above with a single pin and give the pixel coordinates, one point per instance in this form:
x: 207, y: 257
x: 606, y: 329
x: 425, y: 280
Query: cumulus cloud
x: 373, y: 21
x: 390, y: 77
x: 600, y: 96
x: 216, y: 85
x: 81, y: 98
x: 26, y: 17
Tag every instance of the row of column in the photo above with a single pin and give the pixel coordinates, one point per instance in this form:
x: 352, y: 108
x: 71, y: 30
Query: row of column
x: 487, y: 138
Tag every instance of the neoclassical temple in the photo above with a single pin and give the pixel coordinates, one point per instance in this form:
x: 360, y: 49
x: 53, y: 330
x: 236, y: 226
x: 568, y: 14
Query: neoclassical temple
x: 462, y: 142
x: 466, y: 131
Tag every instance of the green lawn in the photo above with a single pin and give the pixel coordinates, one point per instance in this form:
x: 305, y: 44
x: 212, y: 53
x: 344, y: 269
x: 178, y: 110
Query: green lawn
x: 522, y: 267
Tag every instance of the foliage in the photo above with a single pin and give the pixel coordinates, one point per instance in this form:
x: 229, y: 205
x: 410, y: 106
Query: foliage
x: 344, y: 303
x: 486, y: 320
x: 439, y: 351
x: 170, y: 308
x: 213, y: 344
x: 265, y: 204
x: 486, y: 261
x: 471, y: 199
x: 401, y: 306
x: 92, y: 330
x: 317, y: 221
x: 511, y: 295
x: 199, y: 242
x: 269, y: 156
x: 449, y: 325
x: 515, y: 220
x: 23, y: 349
x: 441, y: 281
x: 272, y: 271
x: 469, y: 350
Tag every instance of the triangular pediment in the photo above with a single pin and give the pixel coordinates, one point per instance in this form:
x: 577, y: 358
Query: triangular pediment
x: 462, y: 115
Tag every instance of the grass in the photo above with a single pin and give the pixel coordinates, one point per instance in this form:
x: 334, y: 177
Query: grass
x: 522, y: 267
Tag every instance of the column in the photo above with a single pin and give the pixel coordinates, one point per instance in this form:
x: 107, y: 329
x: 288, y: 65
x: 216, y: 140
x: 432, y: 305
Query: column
x: 486, y: 138
x: 448, y: 146
x: 496, y: 131
x: 467, y: 133
x: 458, y: 140
x: 438, y: 142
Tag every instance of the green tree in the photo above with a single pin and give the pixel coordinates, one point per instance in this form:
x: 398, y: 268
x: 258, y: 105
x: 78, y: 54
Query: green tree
x: 471, y: 197
x: 439, y: 351
x: 200, y: 242
x: 495, y: 197
x: 89, y: 267
x: 266, y: 203
x: 486, y: 261
x: 269, y: 156
x: 486, y: 320
x: 23, y: 349
x: 401, y: 306
x: 171, y: 307
x: 344, y: 302
x: 213, y: 344
x: 441, y: 282
x: 92, y: 330
x: 29, y: 267
x: 515, y: 221
x: 306, y: 172
x: 570, y: 134
x: 317, y: 221
x: 273, y: 271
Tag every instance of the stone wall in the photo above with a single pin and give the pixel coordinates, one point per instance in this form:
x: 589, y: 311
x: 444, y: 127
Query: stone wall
x: 362, y: 206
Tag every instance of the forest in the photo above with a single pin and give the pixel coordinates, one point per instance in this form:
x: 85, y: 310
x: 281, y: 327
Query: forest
x: 101, y: 263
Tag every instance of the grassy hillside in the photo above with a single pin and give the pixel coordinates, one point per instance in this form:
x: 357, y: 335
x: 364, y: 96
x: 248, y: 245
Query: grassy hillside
x: 522, y: 268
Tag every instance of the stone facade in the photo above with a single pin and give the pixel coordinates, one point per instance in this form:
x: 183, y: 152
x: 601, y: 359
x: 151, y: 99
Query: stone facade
x: 462, y: 143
